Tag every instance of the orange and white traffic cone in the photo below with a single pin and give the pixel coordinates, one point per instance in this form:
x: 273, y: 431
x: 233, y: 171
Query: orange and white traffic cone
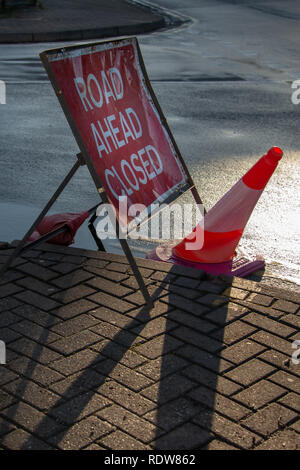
x: 222, y: 227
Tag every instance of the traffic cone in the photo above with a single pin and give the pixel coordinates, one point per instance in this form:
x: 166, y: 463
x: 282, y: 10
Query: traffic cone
x: 222, y: 227
x: 71, y: 220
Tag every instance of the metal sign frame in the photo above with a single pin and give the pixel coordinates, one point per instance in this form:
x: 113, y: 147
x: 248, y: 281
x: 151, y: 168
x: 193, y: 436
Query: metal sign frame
x: 84, y: 158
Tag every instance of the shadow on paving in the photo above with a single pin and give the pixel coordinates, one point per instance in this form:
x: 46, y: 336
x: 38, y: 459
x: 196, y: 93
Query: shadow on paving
x: 184, y: 369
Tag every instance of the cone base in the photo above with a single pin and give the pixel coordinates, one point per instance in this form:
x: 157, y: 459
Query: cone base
x: 239, y: 266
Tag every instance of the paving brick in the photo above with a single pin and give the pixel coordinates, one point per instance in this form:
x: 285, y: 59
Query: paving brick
x: 75, y: 308
x: 233, y: 332
x: 260, y: 299
x: 74, y: 325
x: 7, y: 335
x: 211, y: 380
x: 8, y: 303
x: 191, y: 321
x: 37, y: 285
x: 292, y: 320
x: 219, y: 445
x: 74, y: 293
x: 122, y: 374
x: 79, y: 408
x: 281, y: 361
x: 157, y: 347
x: 105, y: 273
x: 31, y: 349
x: 8, y: 318
x: 269, y: 325
x: 78, y: 383
x: 81, y: 434
x: 168, y: 388
x: 118, y: 440
x: 129, y: 423
x: 118, y: 353
x: 37, y: 300
x: 267, y: 311
x: 228, y: 430
x: 260, y: 394
x: 250, y: 372
x: 235, y: 293
x: 242, y: 351
x: 79, y: 360
x: 32, y: 420
x: 186, y: 437
x: 286, y: 380
x: 226, y: 314
x: 285, y: 306
x: 35, y: 332
x: 184, y: 304
x: 113, y: 317
x: 118, y: 335
x: 190, y: 294
x: 37, y: 271
x: 126, y: 398
x: 205, y: 359
x: 212, y: 300
x: 269, y: 419
x: 162, y: 366
x: 155, y: 327
x: 110, y: 301
x: 282, y: 440
x: 195, y: 338
x: 6, y: 375
x: 30, y: 369
x: 36, y: 315
x: 5, y: 426
x: 273, y: 341
x: 218, y: 403
x: 291, y: 400
x: 181, y: 281
x: 6, y: 399
x: 72, y: 279
x: 212, y: 287
x: 19, y: 439
x: 9, y: 289
x: 36, y: 395
x: 173, y: 413
x: 74, y: 343
x: 108, y: 286
x: 296, y: 426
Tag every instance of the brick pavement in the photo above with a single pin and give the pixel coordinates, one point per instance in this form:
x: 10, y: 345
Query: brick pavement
x: 88, y: 367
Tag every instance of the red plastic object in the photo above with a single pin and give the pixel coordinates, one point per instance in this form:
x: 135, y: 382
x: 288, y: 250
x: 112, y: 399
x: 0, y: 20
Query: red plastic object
x: 222, y: 227
x: 240, y: 266
x: 55, y: 221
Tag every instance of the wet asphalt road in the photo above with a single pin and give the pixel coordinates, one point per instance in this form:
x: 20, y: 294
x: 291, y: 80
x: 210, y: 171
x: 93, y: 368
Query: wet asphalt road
x: 224, y: 83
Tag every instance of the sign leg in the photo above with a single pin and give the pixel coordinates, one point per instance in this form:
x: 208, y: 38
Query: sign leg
x: 26, y: 237
x: 136, y: 272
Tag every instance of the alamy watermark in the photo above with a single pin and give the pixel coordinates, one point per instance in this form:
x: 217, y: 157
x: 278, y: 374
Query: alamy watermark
x: 2, y: 352
x: 295, y: 98
x: 159, y: 222
x: 296, y: 353
x: 2, y: 92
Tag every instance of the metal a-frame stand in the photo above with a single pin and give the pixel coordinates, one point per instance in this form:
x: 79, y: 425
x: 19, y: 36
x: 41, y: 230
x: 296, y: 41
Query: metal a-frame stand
x: 84, y: 158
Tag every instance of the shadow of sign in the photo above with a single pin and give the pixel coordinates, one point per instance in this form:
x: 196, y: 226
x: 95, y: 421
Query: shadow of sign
x: 152, y: 377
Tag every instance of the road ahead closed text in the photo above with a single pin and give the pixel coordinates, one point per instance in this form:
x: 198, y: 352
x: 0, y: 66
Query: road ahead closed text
x: 118, y: 123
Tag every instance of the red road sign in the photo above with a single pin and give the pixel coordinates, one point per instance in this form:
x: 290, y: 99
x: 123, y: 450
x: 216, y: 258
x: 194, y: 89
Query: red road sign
x: 118, y: 122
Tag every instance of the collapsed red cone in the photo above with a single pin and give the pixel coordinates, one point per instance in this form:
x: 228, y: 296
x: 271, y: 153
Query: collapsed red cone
x: 220, y: 230
x: 52, y: 222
